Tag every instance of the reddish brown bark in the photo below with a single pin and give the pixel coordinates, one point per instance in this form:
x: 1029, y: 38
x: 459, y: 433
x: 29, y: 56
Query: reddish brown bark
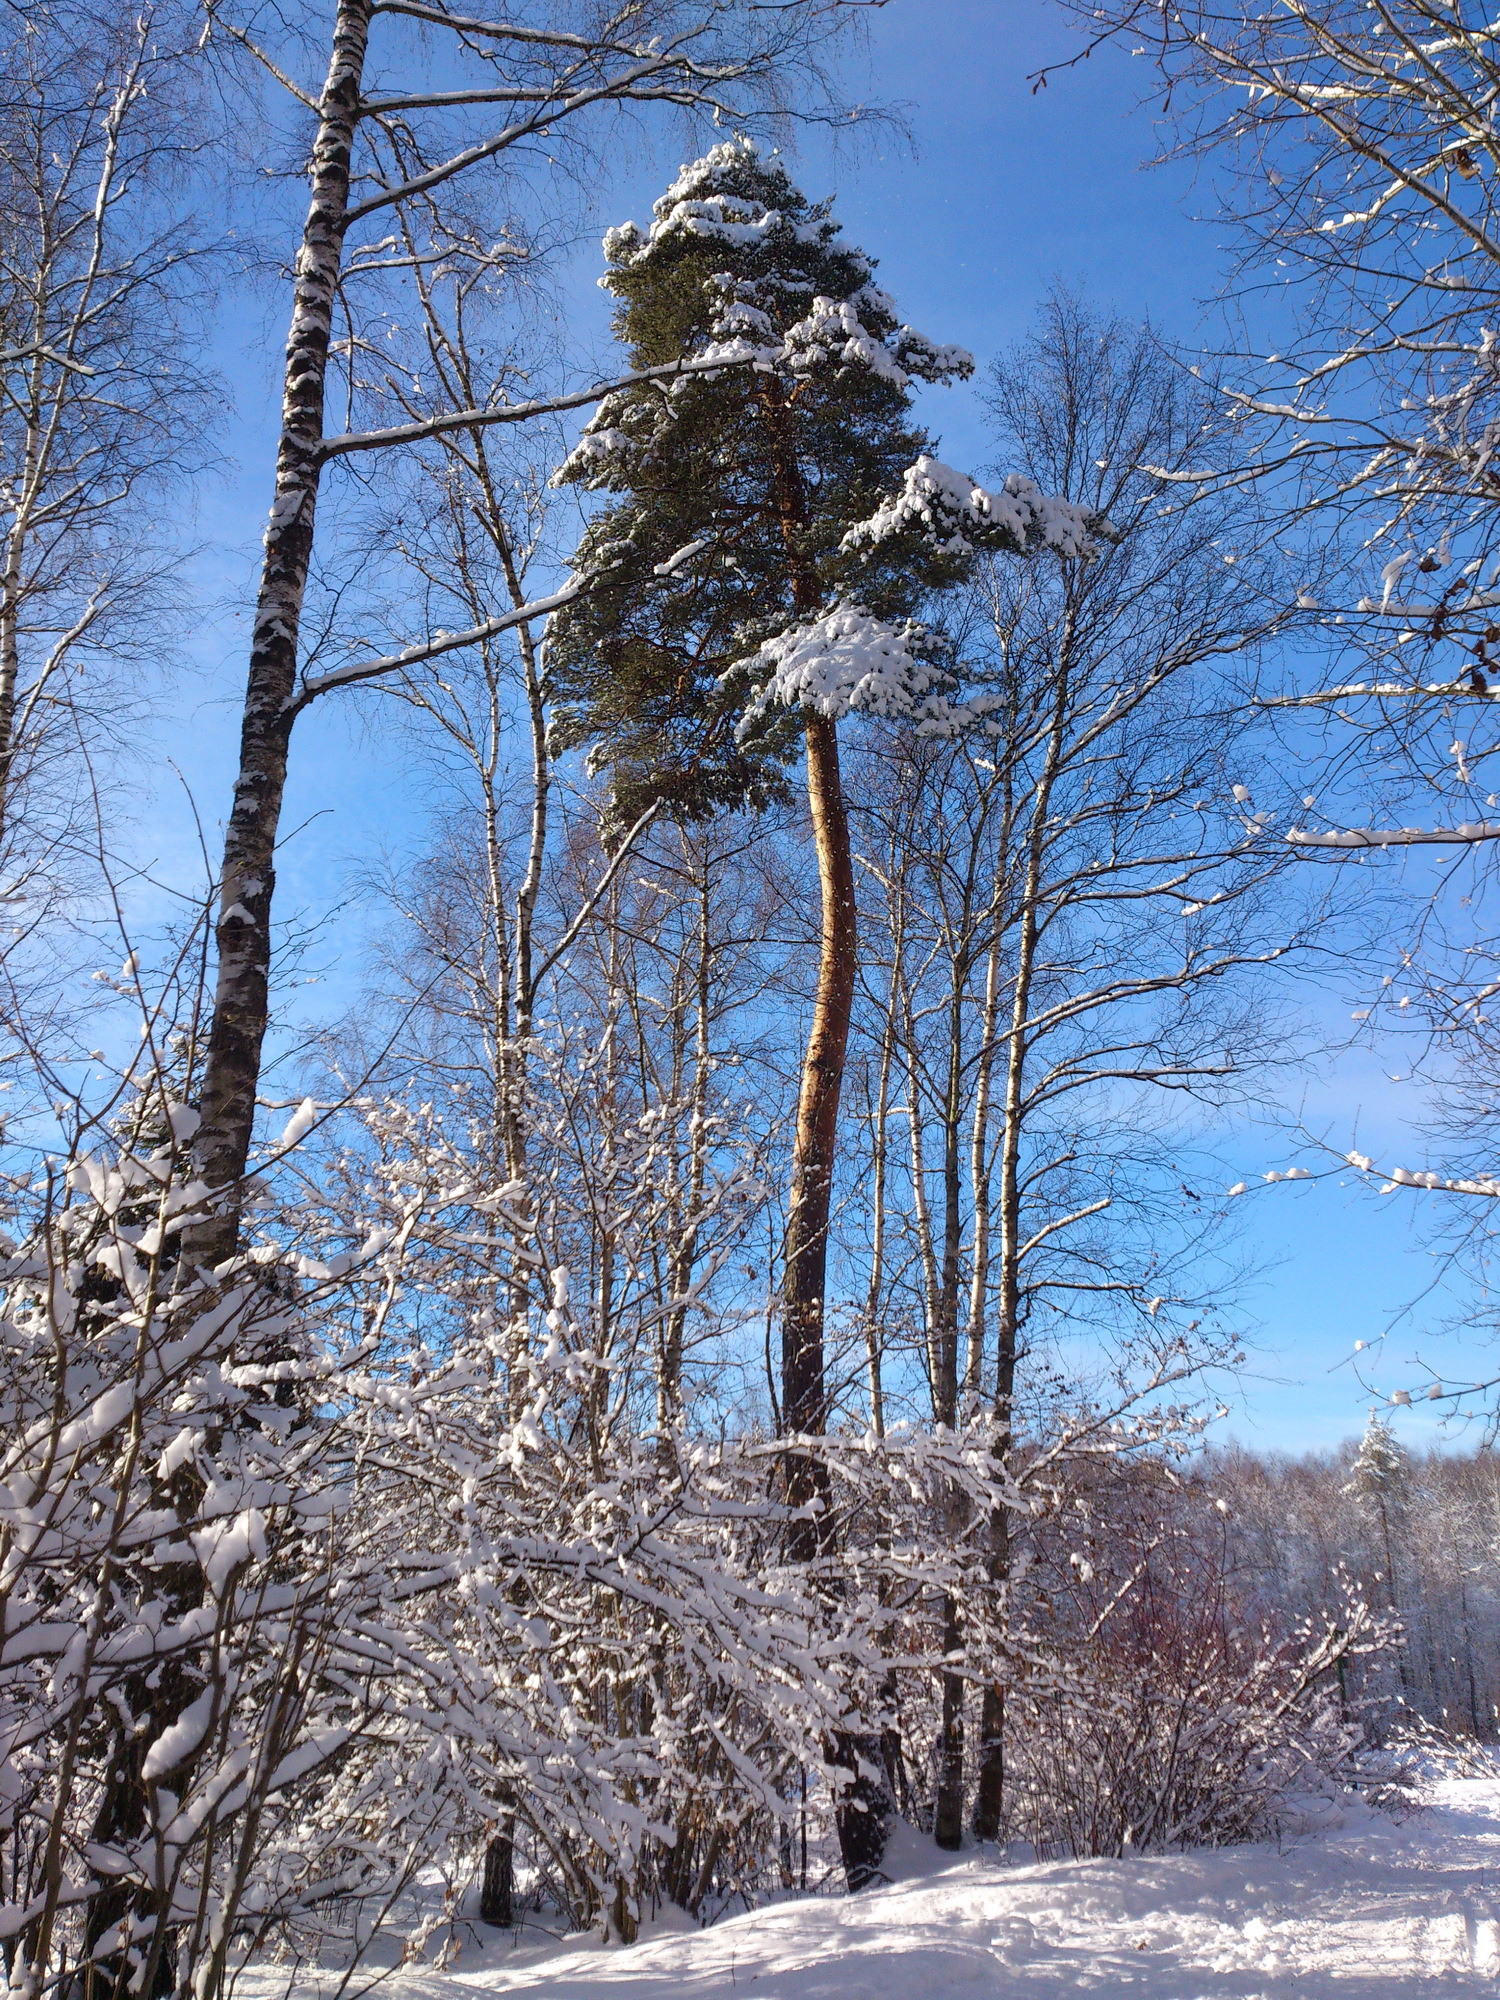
x: 863, y: 1812
x: 815, y: 1148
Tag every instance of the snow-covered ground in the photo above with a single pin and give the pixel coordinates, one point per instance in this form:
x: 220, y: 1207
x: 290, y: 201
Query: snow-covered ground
x: 1367, y: 1908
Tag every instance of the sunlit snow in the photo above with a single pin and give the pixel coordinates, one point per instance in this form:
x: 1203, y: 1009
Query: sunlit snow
x: 1353, y: 1904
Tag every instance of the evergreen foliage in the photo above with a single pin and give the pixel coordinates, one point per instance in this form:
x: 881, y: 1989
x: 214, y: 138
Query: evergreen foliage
x: 771, y: 472
x: 1380, y: 1477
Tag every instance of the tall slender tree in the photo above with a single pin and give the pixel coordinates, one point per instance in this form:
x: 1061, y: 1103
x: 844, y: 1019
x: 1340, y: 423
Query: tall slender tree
x: 778, y: 527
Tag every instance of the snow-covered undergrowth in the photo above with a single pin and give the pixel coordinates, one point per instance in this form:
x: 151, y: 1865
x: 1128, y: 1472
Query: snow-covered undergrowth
x: 1352, y: 1905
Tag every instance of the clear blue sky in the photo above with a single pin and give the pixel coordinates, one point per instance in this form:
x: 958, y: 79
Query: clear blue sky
x: 1004, y: 190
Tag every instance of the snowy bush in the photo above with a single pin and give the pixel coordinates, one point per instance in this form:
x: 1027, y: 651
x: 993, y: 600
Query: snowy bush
x: 1157, y: 1709
x: 183, y: 1599
x: 369, y: 1552
x: 318, y: 1568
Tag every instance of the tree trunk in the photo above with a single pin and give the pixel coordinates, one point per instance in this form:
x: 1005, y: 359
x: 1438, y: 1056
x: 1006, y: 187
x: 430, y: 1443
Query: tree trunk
x: 684, y: 1254
x: 990, y: 1789
x: 948, y: 1800
x: 805, y: 1251
x: 863, y: 1812
x: 979, y: 1176
x: 989, y: 1792
x: 863, y: 1809
x: 945, y: 1380
x: 10, y: 584
x: 497, y: 1891
x: 989, y: 1799
x: 232, y: 1067
x: 815, y: 1149
x: 874, y: 1337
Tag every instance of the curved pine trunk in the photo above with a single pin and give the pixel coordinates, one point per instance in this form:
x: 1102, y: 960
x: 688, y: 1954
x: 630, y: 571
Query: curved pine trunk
x: 815, y: 1149
x: 863, y: 1810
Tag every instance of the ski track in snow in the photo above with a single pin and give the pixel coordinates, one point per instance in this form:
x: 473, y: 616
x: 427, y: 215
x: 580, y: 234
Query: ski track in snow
x: 1373, y: 1908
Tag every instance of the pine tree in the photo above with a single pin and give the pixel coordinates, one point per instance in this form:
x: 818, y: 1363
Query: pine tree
x: 763, y: 469
x: 779, y: 525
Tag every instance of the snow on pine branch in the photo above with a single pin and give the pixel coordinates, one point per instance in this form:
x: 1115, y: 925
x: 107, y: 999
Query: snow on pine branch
x: 848, y: 662
x: 950, y: 510
x: 688, y: 209
x: 830, y: 335
x: 832, y: 331
x: 758, y: 319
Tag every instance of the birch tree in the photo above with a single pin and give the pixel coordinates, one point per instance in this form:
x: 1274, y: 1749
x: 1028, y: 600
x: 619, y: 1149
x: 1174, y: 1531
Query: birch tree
x: 473, y: 96
x: 1073, y: 912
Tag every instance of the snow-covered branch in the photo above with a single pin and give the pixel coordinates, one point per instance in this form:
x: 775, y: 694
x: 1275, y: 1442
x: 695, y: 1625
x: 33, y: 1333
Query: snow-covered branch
x: 511, y: 413
x: 948, y: 509
x: 1404, y: 1177
x: 433, y: 648
x: 1468, y: 834
x: 1472, y: 689
x: 848, y: 662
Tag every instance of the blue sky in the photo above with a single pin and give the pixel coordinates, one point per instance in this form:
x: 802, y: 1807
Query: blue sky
x: 1004, y: 190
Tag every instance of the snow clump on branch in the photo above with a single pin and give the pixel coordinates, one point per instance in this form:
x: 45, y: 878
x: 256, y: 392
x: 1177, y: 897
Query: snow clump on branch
x: 687, y: 209
x: 959, y: 516
x: 846, y: 661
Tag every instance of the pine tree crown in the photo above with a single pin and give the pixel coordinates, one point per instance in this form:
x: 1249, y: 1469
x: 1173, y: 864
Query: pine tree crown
x: 1381, y: 1464
x: 774, y: 498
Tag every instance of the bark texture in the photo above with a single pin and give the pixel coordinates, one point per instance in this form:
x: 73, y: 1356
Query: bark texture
x: 497, y: 1890
x: 815, y: 1149
x: 247, y: 881
x: 863, y: 1813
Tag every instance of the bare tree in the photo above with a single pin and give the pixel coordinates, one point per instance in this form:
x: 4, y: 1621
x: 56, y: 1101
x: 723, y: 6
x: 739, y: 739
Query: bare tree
x: 99, y: 402
x: 1073, y: 910
x: 1360, y: 157
x: 1360, y: 162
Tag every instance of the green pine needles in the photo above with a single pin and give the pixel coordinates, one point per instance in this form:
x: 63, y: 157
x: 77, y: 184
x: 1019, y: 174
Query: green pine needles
x: 778, y: 485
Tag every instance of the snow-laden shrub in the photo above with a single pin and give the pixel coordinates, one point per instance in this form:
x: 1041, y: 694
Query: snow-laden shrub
x: 181, y: 1600
x: 358, y: 1553
x: 638, y: 1678
x: 296, y: 1597
x: 375, y: 1551
x: 1412, y: 1754
x: 1156, y: 1710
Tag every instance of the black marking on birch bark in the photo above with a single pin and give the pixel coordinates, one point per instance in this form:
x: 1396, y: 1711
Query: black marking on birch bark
x: 247, y: 883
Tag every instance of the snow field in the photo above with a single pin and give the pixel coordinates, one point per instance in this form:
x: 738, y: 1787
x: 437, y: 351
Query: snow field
x: 1355, y: 1906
